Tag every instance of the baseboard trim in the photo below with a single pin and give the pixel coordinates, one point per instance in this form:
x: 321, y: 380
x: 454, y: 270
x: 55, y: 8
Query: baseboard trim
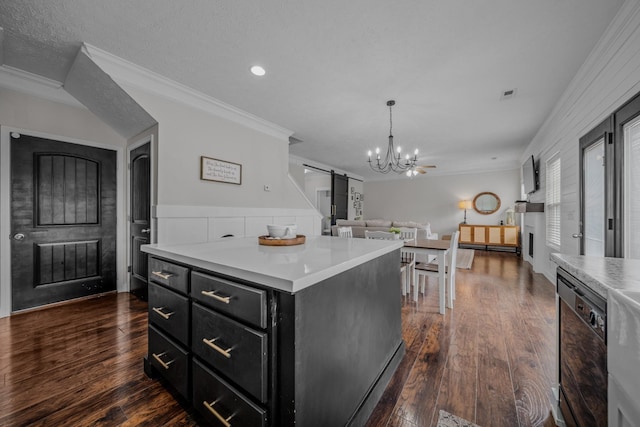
x: 364, y: 411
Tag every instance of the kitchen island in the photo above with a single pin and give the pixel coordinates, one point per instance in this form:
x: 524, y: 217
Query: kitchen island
x: 616, y: 280
x: 276, y: 335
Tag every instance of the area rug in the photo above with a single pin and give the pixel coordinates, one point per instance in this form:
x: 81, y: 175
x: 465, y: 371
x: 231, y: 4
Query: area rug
x: 464, y: 259
x: 446, y: 419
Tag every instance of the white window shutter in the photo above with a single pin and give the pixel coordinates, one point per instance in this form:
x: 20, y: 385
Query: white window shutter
x: 552, y: 208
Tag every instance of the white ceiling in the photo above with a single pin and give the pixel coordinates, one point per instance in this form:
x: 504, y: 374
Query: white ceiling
x: 332, y: 65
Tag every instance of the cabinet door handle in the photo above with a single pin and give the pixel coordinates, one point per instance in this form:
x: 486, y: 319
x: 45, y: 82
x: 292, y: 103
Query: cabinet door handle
x: 162, y: 275
x: 224, y: 421
x: 165, y: 365
x: 213, y: 295
x: 226, y: 353
x: 159, y: 311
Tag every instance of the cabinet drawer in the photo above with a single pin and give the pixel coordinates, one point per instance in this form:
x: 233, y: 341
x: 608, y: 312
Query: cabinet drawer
x: 235, y: 350
x: 169, y: 274
x: 245, y: 303
x: 169, y: 360
x: 169, y: 311
x: 217, y: 400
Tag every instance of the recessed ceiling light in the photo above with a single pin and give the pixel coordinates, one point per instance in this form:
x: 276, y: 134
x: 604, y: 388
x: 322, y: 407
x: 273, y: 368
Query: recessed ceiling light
x: 258, y: 70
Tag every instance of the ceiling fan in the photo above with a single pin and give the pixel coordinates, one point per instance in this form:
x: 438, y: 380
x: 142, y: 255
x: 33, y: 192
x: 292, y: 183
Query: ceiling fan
x: 421, y: 169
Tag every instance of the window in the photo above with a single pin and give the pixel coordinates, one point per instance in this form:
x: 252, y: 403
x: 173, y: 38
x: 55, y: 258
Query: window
x: 552, y: 207
x: 626, y: 218
x: 632, y: 188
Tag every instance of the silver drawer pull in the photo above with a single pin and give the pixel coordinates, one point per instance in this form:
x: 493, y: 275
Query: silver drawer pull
x: 165, y: 365
x: 160, y: 274
x: 159, y: 311
x: 224, y: 421
x: 226, y: 353
x: 213, y: 295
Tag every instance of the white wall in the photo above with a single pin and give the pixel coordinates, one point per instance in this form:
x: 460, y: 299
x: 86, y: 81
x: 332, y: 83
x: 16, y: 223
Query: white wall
x: 434, y: 199
x: 608, y: 78
x: 185, y: 133
x: 355, y: 186
x: 50, y: 119
x: 28, y: 112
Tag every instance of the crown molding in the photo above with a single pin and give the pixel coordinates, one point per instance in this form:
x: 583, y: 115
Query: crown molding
x: 127, y: 72
x: 35, y: 85
x: 623, y: 26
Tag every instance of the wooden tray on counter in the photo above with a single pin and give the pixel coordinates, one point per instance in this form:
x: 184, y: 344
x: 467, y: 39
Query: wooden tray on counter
x: 266, y: 241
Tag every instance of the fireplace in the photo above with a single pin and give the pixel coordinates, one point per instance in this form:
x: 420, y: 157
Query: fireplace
x: 531, y: 245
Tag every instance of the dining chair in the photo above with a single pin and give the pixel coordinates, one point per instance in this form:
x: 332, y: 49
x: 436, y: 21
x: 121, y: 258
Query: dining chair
x: 345, y: 232
x: 422, y: 270
x: 407, y: 233
x: 381, y: 235
x: 406, y: 259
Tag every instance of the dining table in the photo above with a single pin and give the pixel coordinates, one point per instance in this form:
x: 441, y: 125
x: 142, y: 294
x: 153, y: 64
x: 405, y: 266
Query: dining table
x: 439, y: 248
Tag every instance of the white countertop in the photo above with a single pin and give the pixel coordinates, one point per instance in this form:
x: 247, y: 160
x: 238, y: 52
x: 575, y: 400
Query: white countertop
x: 602, y: 274
x: 286, y: 268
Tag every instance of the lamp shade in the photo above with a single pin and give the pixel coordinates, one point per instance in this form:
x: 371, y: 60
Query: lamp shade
x: 464, y: 204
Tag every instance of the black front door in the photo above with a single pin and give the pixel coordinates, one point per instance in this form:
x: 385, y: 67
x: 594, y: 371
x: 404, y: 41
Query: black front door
x: 339, y: 197
x: 140, y: 218
x: 63, y: 221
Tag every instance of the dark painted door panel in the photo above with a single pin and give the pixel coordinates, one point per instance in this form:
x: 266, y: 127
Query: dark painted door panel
x: 140, y: 217
x: 63, y: 221
x: 339, y: 197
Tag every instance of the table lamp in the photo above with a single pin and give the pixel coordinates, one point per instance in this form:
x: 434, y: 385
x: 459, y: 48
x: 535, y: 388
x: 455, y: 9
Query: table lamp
x: 465, y: 204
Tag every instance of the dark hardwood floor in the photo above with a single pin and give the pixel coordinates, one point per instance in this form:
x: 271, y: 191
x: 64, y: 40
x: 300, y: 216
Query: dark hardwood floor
x: 489, y: 360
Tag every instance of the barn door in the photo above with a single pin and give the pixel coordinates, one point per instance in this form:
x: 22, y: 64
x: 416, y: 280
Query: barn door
x: 140, y: 217
x: 63, y: 221
x: 339, y: 197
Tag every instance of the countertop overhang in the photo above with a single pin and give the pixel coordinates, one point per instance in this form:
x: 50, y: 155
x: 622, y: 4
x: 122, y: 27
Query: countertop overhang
x: 286, y: 268
x: 602, y: 274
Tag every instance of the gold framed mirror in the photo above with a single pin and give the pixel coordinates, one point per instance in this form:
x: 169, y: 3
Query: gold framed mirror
x: 486, y: 203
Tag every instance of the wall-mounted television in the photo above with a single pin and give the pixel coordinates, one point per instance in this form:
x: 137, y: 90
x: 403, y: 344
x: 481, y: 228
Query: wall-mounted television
x: 529, y: 175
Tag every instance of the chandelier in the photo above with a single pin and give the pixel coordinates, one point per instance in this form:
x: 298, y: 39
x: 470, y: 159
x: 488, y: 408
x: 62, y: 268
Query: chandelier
x: 393, y: 161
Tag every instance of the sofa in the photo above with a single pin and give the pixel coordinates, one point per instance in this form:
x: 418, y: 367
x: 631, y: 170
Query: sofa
x: 359, y: 226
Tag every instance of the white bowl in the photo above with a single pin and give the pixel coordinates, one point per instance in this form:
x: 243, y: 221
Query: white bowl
x: 282, y: 231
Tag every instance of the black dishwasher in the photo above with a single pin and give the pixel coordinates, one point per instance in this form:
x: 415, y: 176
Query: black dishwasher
x: 582, y: 353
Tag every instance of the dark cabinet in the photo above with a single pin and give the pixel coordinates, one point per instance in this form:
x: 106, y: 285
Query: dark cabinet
x: 237, y: 351
x: 169, y: 311
x: 246, y: 354
x: 234, y: 299
x: 170, y: 360
x: 220, y: 403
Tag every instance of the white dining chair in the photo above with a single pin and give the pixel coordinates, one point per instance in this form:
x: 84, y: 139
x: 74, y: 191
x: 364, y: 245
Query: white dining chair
x: 345, y: 232
x: 381, y: 235
x: 407, y: 233
x: 406, y: 258
x: 422, y: 270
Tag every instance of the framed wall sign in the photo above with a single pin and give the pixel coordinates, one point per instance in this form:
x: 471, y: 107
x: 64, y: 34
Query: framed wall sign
x: 219, y: 170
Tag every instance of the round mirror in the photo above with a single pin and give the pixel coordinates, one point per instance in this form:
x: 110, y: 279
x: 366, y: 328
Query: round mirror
x: 486, y: 203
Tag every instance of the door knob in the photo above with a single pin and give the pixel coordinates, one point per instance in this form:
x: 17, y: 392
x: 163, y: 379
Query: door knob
x: 18, y: 236
x: 145, y: 230
x: 577, y: 235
